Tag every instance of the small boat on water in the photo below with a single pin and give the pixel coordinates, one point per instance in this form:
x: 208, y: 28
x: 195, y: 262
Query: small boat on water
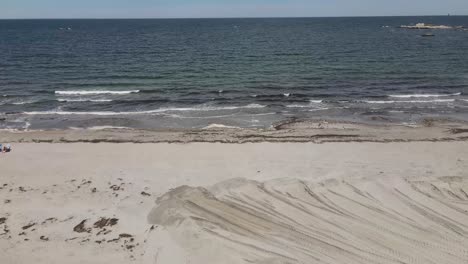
x: 426, y: 26
x: 428, y: 35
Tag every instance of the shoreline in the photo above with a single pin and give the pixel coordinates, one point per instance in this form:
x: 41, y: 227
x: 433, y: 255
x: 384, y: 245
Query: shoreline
x: 274, y: 141
x: 293, y: 130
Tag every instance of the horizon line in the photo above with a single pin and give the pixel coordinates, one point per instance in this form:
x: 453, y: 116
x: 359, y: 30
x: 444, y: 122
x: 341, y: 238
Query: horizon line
x: 234, y: 17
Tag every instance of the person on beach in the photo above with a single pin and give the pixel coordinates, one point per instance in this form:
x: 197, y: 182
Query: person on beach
x: 7, y: 148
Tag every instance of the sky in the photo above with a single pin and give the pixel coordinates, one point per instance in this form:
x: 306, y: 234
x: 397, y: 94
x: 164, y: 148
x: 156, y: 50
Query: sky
x: 225, y: 8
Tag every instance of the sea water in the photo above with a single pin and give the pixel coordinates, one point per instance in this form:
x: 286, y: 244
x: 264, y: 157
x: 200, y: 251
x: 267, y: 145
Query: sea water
x: 186, y: 73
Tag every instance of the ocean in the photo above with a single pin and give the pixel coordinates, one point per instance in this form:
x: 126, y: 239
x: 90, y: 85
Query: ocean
x: 194, y: 73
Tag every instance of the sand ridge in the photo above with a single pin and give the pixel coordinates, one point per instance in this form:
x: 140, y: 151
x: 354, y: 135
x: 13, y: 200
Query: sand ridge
x: 293, y: 221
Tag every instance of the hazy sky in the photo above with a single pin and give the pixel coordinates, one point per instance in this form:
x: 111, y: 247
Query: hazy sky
x: 225, y: 8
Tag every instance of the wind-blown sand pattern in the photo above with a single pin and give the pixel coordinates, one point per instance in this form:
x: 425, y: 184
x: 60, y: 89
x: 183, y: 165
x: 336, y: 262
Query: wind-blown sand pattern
x: 292, y: 221
x: 354, y: 202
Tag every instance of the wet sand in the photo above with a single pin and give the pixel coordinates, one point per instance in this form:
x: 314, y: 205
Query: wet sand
x: 317, y: 131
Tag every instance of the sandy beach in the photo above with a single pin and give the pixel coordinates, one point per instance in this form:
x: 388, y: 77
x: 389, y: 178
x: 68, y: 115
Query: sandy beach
x: 248, y: 132
x: 269, y: 202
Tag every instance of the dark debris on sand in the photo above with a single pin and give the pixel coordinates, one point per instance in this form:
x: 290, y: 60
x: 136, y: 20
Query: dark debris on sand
x: 116, y: 188
x: 145, y: 194
x: 103, y: 232
x: 50, y: 220
x: 103, y: 222
x: 28, y: 226
x: 80, y: 228
x: 458, y: 130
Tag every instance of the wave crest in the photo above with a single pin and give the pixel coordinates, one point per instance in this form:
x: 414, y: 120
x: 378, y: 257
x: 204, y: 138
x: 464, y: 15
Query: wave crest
x: 84, y: 100
x: 156, y: 111
x: 412, y: 101
x: 95, y: 92
x: 422, y: 95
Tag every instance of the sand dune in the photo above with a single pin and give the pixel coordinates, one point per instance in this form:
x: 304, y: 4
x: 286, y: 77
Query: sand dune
x: 292, y: 221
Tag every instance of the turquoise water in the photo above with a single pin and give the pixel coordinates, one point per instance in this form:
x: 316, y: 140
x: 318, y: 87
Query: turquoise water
x: 238, y: 72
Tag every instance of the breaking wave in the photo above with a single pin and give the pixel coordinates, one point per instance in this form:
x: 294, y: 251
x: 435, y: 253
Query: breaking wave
x: 84, y: 100
x: 95, y: 92
x: 156, y: 111
x: 412, y: 101
x: 422, y: 95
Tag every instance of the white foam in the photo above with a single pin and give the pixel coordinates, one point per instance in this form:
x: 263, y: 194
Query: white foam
x: 254, y: 106
x: 13, y: 130
x: 318, y: 109
x: 312, y: 102
x: 218, y: 116
x: 95, y: 92
x: 382, y: 102
x: 412, y: 101
x: 84, y: 100
x: 316, y: 101
x: 23, y: 128
x: 103, y: 113
x: 156, y: 111
x: 422, y: 95
x: 106, y: 127
x: 217, y: 126
x: 17, y: 103
x: 297, y: 106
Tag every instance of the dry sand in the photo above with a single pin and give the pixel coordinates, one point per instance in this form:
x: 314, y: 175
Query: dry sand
x: 290, y: 221
x: 295, y: 203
